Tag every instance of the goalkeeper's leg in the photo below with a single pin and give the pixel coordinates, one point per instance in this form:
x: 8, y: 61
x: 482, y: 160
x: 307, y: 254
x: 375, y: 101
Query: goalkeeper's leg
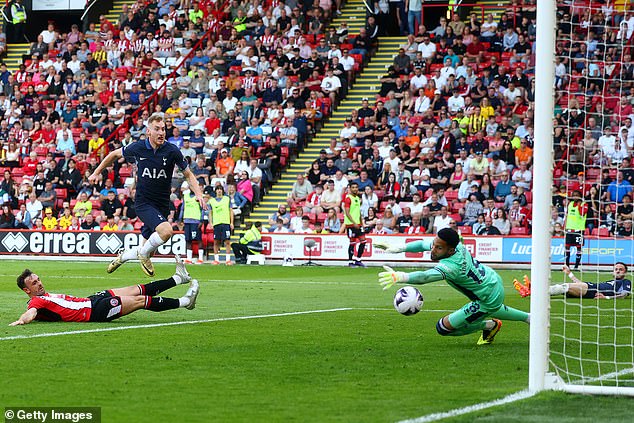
x: 509, y: 313
x: 469, y: 319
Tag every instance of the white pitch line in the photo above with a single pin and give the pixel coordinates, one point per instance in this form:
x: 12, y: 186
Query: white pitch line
x: 471, y: 408
x: 184, y: 322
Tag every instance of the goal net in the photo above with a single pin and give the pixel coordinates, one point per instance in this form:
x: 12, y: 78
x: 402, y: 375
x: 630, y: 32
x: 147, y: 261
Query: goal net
x: 591, y: 346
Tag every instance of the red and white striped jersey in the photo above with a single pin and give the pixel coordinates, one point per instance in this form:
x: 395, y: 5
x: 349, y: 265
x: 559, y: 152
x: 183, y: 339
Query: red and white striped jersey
x: 268, y: 40
x: 60, y: 307
x: 123, y: 45
x: 213, y: 24
x: 166, y: 44
x: 248, y: 82
x: 415, y: 230
x: 136, y: 45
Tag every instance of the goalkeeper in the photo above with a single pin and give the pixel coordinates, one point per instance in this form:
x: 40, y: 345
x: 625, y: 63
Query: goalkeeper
x: 481, y: 284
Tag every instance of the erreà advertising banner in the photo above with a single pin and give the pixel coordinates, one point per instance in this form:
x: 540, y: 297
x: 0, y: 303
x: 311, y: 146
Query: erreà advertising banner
x: 80, y: 243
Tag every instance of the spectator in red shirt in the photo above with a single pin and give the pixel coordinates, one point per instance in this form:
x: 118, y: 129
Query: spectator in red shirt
x: 29, y: 165
x: 476, y: 50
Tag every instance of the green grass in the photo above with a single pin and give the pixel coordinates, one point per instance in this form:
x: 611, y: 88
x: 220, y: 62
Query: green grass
x: 362, y: 365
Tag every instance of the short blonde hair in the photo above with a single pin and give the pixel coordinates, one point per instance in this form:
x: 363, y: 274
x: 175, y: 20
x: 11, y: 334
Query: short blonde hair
x: 156, y: 117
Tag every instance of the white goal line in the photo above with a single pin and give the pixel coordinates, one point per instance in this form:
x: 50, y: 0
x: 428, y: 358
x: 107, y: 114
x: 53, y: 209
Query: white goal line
x: 521, y: 395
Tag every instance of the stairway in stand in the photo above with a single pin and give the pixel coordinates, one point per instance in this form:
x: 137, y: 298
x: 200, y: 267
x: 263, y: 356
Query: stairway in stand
x: 115, y: 12
x: 353, y: 13
x: 496, y: 7
x: 15, y: 51
x: 366, y: 85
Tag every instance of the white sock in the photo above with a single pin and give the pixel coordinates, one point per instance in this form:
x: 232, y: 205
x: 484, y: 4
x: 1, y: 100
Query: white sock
x: 190, y: 253
x: 151, y: 245
x: 178, y: 279
x: 130, y: 254
x: 227, y: 257
x: 490, y: 324
x: 217, y: 257
x: 183, y: 302
x: 558, y: 289
x: 200, y: 253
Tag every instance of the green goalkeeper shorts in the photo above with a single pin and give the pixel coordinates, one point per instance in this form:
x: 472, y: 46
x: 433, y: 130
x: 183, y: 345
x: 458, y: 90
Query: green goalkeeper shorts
x: 478, y: 310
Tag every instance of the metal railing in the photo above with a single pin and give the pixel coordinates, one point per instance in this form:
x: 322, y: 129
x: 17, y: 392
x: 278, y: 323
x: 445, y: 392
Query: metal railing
x: 452, y: 8
x: 150, y: 102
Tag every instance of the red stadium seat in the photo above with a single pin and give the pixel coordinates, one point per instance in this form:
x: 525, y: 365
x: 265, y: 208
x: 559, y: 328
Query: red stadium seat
x: 519, y: 231
x: 451, y: 195
x: 601, y: 232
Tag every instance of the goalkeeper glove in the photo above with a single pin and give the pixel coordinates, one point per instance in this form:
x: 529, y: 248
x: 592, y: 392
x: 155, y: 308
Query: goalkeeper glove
x: 390, y: 277
x: 388, y: 248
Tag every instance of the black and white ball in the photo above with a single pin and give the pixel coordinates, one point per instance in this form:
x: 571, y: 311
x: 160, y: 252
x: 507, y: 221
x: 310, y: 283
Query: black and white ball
x: 408, y: 300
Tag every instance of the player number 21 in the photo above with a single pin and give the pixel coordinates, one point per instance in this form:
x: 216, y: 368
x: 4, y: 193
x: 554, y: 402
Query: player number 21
x: 473, y: 275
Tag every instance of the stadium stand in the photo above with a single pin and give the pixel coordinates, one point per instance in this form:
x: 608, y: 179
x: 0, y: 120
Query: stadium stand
x: 245, y: 77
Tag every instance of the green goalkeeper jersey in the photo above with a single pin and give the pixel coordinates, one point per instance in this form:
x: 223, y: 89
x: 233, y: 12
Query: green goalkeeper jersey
x: 476, y: 281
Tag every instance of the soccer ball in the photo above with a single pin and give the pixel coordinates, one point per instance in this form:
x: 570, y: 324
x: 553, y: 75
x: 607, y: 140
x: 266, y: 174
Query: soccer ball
x: 408, y: 300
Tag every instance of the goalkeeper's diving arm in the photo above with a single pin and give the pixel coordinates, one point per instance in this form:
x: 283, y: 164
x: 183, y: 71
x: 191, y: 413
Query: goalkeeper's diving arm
x: 391, y: 277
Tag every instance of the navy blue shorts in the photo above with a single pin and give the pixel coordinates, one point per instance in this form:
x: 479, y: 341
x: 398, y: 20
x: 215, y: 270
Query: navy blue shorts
x: 222, y: 232
x: 192, y: 232
x: 593, y: 288
x: 151, y: 216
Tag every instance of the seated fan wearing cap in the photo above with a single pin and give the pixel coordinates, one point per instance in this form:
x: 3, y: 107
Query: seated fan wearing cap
x: 481, y: 284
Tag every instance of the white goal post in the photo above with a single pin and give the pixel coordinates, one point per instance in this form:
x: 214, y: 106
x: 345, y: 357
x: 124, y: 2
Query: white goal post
x: 612, y: 375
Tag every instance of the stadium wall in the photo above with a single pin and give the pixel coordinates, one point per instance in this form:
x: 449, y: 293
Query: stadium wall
x: 487, y: 249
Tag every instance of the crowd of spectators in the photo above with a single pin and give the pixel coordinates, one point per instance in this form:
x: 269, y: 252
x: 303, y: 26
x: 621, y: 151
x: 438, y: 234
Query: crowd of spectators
x: 253, y: 80
x: 448, y: 141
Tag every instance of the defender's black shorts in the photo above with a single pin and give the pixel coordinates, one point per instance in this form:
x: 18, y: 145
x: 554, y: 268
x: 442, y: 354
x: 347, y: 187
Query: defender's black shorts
x: 574, y: 238
x: 105, y: 306
x: 354, y: 233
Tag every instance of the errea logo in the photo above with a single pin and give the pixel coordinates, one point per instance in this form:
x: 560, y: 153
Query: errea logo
x: 14, y: 242
x: 108, y: 243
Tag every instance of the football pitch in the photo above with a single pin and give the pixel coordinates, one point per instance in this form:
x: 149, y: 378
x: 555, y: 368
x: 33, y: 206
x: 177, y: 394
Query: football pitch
x: 271, y: 344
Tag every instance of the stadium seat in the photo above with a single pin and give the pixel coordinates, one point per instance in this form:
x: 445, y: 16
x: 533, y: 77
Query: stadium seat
x: 519, y: 231
x: 451, y: 195
x: 456, y: 217
x: 601, y: 232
